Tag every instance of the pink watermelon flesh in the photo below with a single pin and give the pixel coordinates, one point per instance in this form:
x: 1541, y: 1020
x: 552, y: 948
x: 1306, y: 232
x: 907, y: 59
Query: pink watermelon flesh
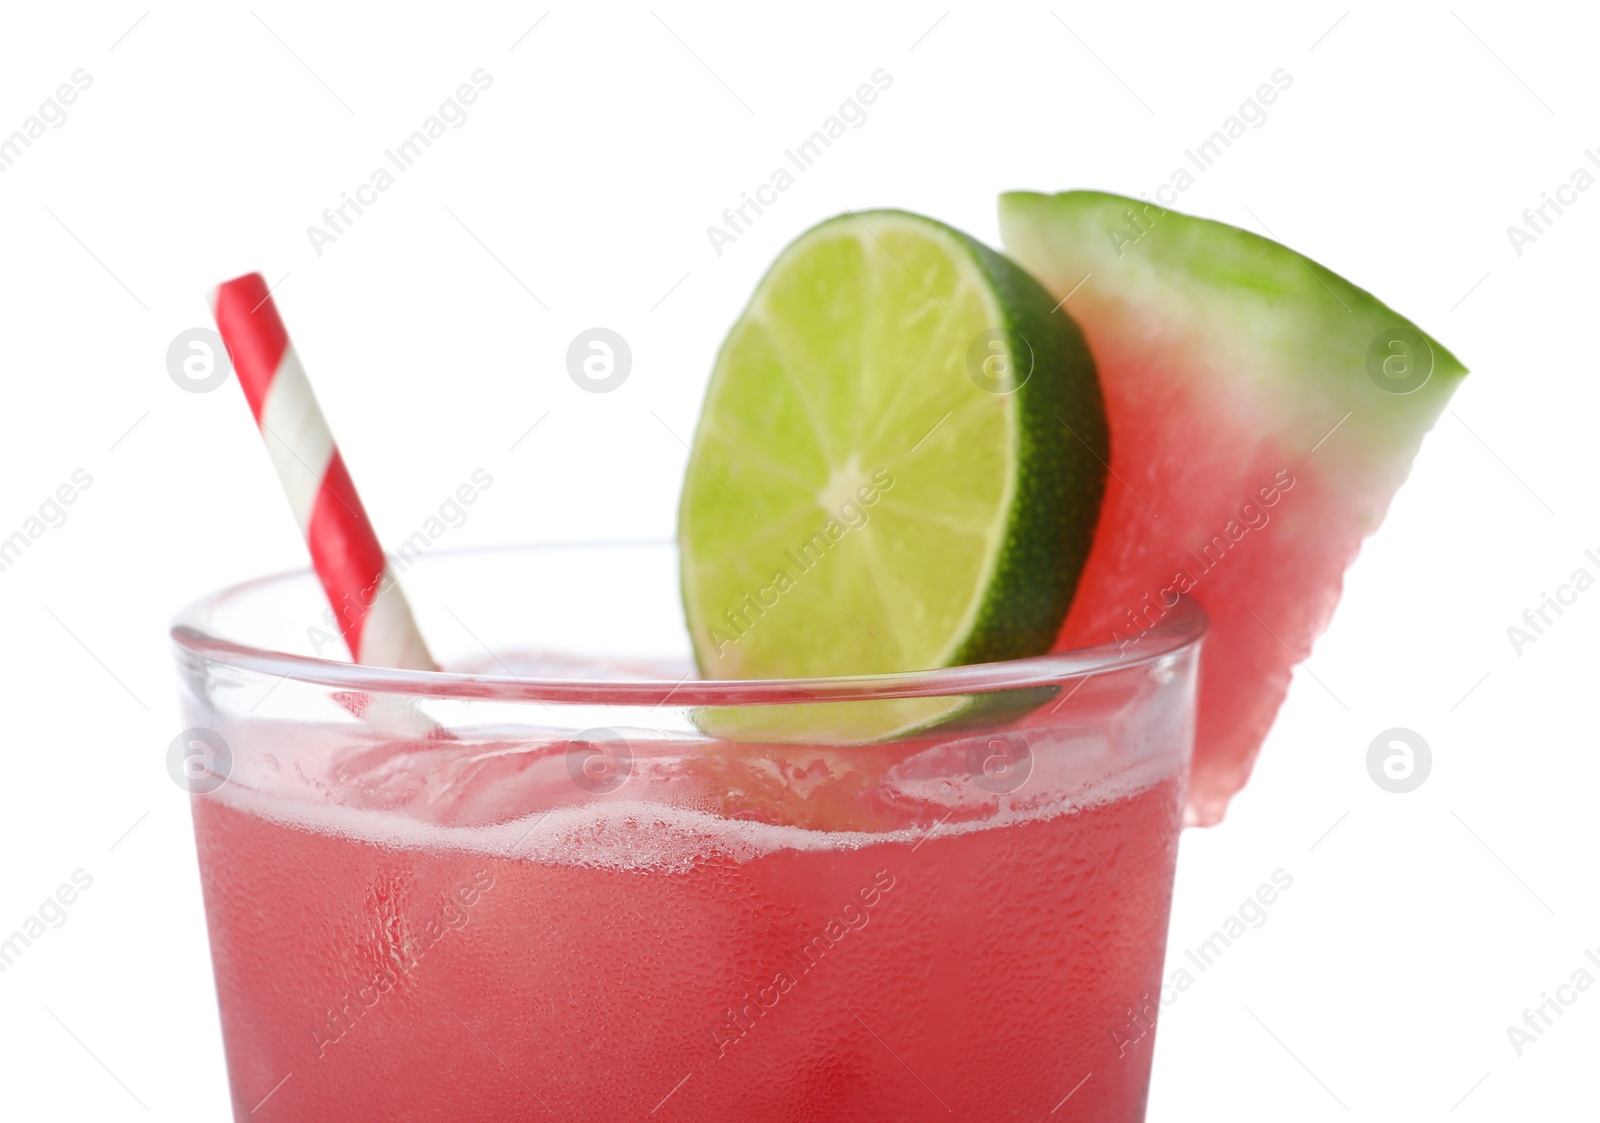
x: 1226, y: 361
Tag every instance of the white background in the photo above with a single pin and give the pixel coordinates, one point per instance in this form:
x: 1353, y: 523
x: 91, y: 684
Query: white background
x: 577, y: 193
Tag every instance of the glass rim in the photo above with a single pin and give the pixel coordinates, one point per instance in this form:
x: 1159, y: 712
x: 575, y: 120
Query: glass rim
x: 1183, y: 626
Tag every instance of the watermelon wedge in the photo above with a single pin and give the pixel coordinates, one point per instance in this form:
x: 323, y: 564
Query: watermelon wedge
x: 1263, y: 412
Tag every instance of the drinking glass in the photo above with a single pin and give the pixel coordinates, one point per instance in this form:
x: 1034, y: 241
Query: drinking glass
x: 565, y: 878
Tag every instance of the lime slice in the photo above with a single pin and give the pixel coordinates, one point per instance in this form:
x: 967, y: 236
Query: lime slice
x: 898, y: 467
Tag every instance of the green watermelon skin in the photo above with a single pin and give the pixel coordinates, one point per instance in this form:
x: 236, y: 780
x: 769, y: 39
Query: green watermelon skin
x: 1254, y: 445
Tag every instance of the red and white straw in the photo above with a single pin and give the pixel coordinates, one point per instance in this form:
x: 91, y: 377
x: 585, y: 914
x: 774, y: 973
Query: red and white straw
x: 371, y: 610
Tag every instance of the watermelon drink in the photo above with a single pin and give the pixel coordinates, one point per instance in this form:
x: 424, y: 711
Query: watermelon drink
x: 952, y: 525
x: 534, y: 884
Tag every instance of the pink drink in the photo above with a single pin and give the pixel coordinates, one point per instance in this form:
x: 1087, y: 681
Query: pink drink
x: 474, y: 928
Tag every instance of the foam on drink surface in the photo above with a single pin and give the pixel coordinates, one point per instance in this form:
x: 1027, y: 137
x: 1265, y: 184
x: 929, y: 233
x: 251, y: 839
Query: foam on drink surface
x: 633, y: 829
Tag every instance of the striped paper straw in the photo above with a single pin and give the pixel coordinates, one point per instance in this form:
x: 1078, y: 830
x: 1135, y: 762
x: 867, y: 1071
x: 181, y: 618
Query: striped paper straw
x: 367, y: 602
